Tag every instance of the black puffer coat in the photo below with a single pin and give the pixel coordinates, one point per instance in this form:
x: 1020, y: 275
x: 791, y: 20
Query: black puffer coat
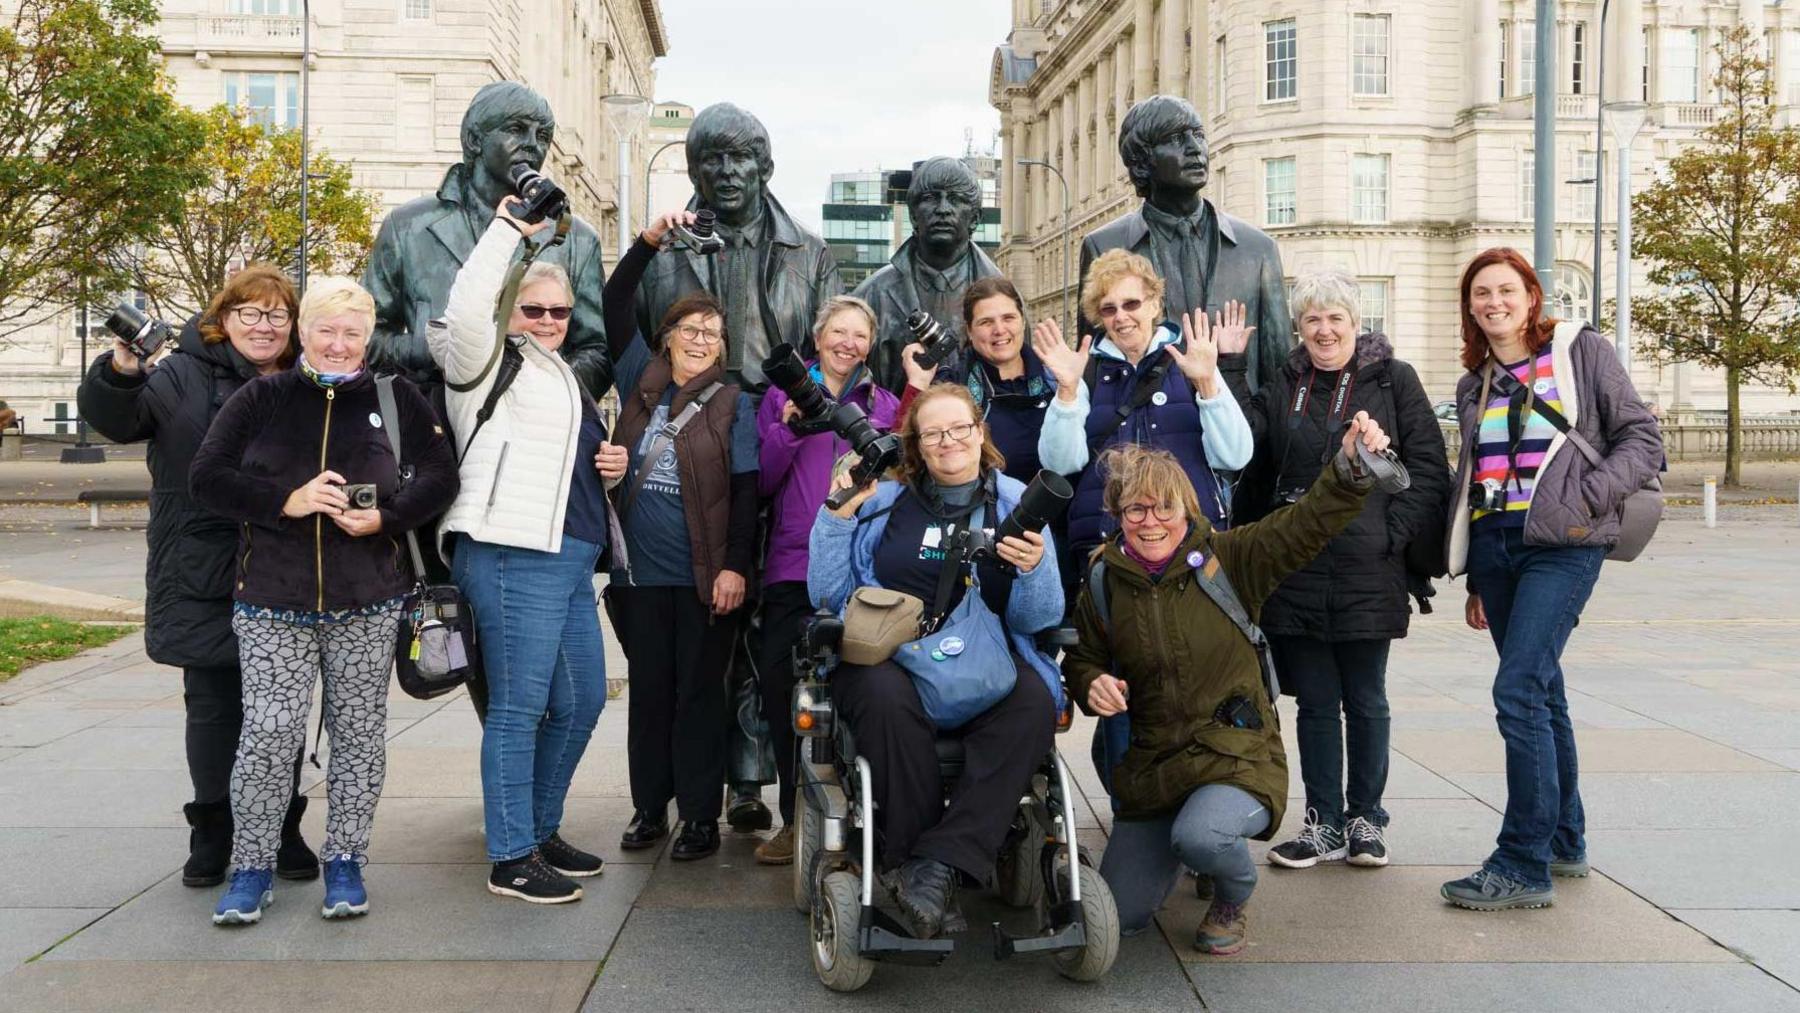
x: 1357, y: 588
x: 187, y: 579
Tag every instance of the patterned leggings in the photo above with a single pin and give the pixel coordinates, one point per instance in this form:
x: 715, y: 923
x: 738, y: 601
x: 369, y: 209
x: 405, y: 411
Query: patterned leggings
x: 281, y: 661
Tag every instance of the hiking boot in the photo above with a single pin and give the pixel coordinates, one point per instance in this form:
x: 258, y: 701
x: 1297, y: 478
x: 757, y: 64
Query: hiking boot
x: 293, y: 859
x: 344, y: 893
x: 1223, y: 930
x: 698, y: 839
x: 1317, y: 842
x: 568, y: 859
x: 644, y: 831
x: 922, y: 887
x: 1569, y: 868
x: 250, y: 891
x: 1487, y: 890
x: 746, y: 814
x: 1368, y: 843
x: 777, y: 850
x: 209, y: 843
x: 531, y: 880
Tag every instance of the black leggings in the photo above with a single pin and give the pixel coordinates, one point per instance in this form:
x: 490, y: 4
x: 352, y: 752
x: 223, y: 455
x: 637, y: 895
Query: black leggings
x: 676, y: 652
x: 214, y: 695
x: 785, y: 607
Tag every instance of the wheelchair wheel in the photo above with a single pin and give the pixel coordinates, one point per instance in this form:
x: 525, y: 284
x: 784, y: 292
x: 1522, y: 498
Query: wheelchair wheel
x: 834, y: 928
x: 806, y: 850
x: 1101, y: 915
x: 1017, y: 872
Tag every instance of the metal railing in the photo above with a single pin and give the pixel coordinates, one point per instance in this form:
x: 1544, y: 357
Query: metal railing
x: 1701, y: 437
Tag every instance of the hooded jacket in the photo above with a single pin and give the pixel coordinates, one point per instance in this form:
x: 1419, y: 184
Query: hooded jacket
x: 1356, y: 589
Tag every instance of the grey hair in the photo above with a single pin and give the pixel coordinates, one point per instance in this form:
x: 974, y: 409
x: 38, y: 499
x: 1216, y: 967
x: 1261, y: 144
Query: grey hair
x: 838, y: 304
x: 541, y: 270
x: 1326, y: 289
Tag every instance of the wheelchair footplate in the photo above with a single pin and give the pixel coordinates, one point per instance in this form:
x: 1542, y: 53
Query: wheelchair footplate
x: 1066, y: 932
x: 881, y: 937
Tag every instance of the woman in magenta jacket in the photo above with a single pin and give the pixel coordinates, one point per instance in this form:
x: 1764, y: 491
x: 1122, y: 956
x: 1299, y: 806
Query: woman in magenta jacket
x: 797, y: 459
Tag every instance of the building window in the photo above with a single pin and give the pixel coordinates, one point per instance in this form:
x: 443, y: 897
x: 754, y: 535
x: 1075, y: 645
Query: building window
x: 1219, y: 78
x: 1581, y: 195
x: 414, y: 118
x: 1369, y: 54
x: 1369, y: 188
x: 1372, y: 293
x: 1278, y: 192
x: 1527, y: 57
x: 1505, y: 51
x: 270, y: 99
x: 1574, y: 296
x: 1681, y: 65
x: 1578, y: 58
x: 1527, y: 186
x: 285, y: 8
x: 1281, y: 63
x: 416, y: 10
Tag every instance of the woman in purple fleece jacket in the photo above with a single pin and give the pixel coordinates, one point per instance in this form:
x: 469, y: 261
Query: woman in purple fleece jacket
x: 797, y: 459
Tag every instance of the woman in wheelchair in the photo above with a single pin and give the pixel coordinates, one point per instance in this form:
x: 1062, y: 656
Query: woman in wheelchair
x: 900, y: 534
x: 1205, y: 768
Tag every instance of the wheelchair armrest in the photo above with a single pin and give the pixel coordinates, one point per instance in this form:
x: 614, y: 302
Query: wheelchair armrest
x: 1060, y: 637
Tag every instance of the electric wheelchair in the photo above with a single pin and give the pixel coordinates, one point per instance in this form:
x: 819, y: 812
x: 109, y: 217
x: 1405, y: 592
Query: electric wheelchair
x: 835, y: 875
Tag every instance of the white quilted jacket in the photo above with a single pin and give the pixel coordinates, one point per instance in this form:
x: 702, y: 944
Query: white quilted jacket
x: 515, y: 478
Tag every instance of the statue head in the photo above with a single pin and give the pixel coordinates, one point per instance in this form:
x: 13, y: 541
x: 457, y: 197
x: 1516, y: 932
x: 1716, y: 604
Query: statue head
x: 728, y: 161
x: 944, y: 201
x: 505, y: 123
x: 1163, y: 145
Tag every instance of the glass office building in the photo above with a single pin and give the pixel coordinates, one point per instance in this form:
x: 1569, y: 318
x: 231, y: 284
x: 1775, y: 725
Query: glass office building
x: 865, y: 218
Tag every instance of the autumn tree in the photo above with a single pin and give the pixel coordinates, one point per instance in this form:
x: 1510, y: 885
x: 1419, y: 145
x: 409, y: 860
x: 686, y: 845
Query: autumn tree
x: 1721, y: 234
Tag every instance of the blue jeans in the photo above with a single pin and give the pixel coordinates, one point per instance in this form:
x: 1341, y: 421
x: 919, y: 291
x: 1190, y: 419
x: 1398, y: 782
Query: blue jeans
x: 546, y: 672
x: 1533, y: 597
x: 1143, y: 858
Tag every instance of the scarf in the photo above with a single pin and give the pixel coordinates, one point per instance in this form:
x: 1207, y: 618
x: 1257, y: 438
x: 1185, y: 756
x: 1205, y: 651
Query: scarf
x: 326, y: 380
x: 1155, y: 570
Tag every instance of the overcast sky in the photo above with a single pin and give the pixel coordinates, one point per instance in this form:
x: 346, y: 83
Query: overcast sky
x: 842, y: 85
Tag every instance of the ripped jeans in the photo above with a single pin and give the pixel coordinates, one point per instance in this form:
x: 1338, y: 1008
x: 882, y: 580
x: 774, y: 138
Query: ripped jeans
x: 1143, y: 858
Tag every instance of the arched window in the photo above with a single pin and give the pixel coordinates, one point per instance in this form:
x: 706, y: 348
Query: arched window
x: 1574, y: 298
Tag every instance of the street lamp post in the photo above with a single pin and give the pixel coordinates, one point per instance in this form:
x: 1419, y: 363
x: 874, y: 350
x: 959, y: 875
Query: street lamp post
x: 1543, y: 104
x: 1068, y: 322
x: 1625, y: 119
x: 305, y: 133
x: 649, y: 170
x: 623, y: 105
x: 1599, y: 160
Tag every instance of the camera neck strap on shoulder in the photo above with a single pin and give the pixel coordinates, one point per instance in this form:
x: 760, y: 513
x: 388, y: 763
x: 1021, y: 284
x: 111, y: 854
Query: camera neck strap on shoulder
x: 509, y: 295
x: 390, y: 423
x: 958, y: 567
x: 665, y: 438
x: 1522, y: 403
x: 1149, y: 380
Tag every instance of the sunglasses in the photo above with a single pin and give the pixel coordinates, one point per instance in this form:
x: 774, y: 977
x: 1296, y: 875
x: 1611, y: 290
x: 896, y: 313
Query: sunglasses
x: 1108, y: 311
x: 533, y: 311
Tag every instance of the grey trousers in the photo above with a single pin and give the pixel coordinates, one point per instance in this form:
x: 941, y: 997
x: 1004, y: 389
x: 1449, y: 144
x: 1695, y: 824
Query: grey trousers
x: 1207, y: 834
x: 281, y: 663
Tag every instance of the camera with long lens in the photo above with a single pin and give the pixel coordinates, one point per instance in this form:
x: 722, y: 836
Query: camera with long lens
x: 877, y: 451
x: 1488, y: 494
x: 1044, y: 500
x: 698, y: 238
x: 143, y: 334
x: 538, y: 195
x: 937, y: 341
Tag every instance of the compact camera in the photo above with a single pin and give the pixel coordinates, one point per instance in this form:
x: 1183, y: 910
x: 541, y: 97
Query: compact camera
x: 698, y: 237
x: 1487, y: 494
x: 362, y: 496
x: 144, y: 335
x: 538, y: 195
x: 938, y: 342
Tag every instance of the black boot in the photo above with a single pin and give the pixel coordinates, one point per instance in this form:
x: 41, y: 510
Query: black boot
x: 294, y: 860
x: 209, y: 843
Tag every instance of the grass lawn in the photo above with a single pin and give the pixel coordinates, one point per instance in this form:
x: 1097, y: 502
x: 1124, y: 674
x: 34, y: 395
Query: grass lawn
x: 36, y: 639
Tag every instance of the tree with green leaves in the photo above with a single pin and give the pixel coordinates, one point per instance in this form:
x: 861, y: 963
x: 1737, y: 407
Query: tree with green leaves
x: 1721, y: 234
x: 94, y: 151
x: 248, y: 210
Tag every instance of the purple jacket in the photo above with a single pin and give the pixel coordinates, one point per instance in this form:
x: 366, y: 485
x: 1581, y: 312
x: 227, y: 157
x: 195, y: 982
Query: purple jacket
x: 796, y: 473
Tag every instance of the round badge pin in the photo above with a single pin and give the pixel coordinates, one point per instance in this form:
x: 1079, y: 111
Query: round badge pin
x: 1195, y: 558
x: 937, y: 655
x: 950, y: 647
x: 1159, y: 398
x: 1542, y: 387
x: 375, y: 419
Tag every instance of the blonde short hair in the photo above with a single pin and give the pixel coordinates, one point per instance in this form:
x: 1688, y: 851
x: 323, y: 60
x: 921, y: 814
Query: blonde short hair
x: 1324, y: 290
x: 1112, y: 267
x: 541, y: 270
x: 839, y: 304
x: 329, y: 295
x: 1133, y: 471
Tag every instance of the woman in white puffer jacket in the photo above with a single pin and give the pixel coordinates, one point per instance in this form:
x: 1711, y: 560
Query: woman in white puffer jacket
x: 528, y: 528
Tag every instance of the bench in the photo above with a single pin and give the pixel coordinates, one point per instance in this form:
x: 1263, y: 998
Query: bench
x: 93, y: 499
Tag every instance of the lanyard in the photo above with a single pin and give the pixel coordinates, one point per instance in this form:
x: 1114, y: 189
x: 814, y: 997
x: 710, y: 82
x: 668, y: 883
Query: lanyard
x: 1518, y: 411
x: 1340, y: 399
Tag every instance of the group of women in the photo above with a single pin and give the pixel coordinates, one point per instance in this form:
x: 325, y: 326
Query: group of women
x: 264, y: 576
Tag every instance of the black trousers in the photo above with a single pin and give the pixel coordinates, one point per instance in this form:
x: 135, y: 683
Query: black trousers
x: 1002, y: 749
x: 1343, y: 715
x: 214, y: 699
x: 676, y: 651
x: 785, y: 607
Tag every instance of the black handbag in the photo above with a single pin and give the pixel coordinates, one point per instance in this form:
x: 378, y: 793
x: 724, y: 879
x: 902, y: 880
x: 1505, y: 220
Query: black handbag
x: 434, y: 648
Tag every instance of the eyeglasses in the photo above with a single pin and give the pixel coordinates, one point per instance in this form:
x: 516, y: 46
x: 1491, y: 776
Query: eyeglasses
x: 250, y: 316
x: 1108, y: 310
x: 938, y: 437
x: 533, y: 311
x: 1137, y: 512
x: 700, y: 334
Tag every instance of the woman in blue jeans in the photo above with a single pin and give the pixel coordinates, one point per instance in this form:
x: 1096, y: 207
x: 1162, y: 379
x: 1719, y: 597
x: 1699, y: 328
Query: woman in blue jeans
x: 1530, y: 525
x: 532, y: 523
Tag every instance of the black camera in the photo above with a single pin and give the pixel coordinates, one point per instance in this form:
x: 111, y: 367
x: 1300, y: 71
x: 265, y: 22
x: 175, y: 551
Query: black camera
x: 144, y: 335
x: 699, y: 238
x: 878, y: 451
x: 1487, y: 494
x: 539, y: 196
x: 1238, y: 712
x: 362, y: 496
x: 938, y: 342
x: 1044, y: 500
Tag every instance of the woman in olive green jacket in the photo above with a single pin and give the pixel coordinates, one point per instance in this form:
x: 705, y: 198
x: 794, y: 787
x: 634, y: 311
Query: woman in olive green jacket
x: 1205, y: 768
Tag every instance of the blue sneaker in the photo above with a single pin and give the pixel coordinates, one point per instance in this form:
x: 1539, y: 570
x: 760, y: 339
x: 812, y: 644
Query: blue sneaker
x: 250, y: 891
x: 344, y: 893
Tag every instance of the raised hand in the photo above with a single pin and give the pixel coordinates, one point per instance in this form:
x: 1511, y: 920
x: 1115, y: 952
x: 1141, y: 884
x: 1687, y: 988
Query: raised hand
x: 1229, y: 331
x: 1065, y: 363
x: 526, y: 229
x: 664, y: 224
x: 1200, y: 362
x: 917, y: 376
x: 1367, y: 430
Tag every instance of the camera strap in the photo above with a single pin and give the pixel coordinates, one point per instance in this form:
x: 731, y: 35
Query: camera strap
x: 665, y: 438
x: 509, y: 295
x: 1149, y: 381
x: 390, y: 421
x: 1510, y: 387
x: 957, y: 566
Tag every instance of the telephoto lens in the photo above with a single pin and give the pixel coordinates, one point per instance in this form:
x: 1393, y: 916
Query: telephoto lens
x: 786, y: 370
x: 144, y: 335
x: 1045, y: 499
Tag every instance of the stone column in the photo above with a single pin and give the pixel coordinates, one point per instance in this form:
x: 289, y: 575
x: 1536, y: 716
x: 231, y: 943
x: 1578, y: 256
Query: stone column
x: 1484, y: 52
x: 1121, y: 89
x: 1103, y: 123
x: 1082, y: 182
x: 1169, y: 77
x: 1143, y: 70
x: 1200, y: 55
x: 1625, y: 73
x: 1018, y: 203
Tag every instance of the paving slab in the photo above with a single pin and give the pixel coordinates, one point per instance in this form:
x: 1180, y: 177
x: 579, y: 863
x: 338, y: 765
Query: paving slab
x: 92, y: 798
x: 85, y: 867
x: 1698, y: 868
x: 351, y: 986
x: 1601, y: 750
x: 26, y: 932
x: 157, y: 748
x: 1746, y: 801
x: 1492, y: 988
x: 442, y: 772
x: 1422, y: 831
x: 1768, y: 939
x: 449, y: 831
x: 420, y: 912
x: 729, y: 879
x: 1788, y: 758
x: 23, y: 727
x: 1338, y: 913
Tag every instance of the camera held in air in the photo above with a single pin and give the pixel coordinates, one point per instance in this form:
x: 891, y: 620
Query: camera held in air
x: 144, y: 335
x: 538, y: 195
x: 877, y: 451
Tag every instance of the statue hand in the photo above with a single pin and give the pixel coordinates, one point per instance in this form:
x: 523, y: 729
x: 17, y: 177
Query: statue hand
x: 526, y: 229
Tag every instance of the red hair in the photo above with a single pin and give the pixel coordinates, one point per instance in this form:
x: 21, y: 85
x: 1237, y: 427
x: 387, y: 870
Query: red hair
x: 1538, y: 327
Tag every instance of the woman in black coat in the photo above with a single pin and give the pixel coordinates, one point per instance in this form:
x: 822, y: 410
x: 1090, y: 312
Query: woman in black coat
x: 1330, y: 624
x: 247, y: 330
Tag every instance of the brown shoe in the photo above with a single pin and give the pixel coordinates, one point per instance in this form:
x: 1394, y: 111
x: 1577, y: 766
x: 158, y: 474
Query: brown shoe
x: 1223, y: 929
x: 777, y: 850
